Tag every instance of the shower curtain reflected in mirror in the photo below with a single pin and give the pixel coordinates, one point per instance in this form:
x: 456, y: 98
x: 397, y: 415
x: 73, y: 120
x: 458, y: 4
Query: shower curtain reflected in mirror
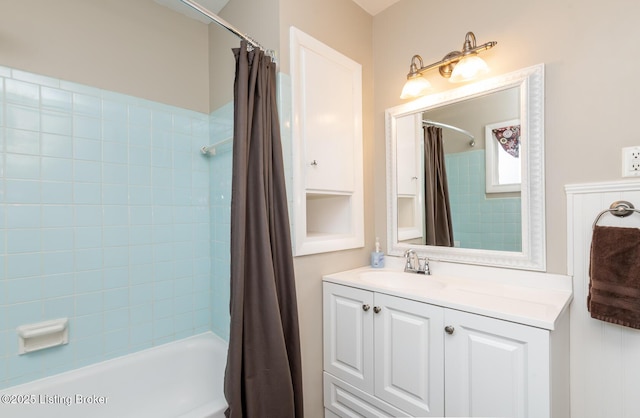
x: 438, y: 225
x: 263, y: 376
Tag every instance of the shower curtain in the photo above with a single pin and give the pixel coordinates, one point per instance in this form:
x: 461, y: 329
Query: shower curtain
x: 439, y: 230
x: 263, y: 376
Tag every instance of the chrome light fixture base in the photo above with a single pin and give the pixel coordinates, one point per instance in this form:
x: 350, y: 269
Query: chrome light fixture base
x: 452, y: 58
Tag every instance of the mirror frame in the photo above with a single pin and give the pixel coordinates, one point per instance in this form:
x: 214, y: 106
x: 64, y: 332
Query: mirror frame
x: 530, y: 81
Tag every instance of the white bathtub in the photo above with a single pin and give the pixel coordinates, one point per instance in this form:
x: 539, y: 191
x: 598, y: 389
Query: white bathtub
x: 180, y: 379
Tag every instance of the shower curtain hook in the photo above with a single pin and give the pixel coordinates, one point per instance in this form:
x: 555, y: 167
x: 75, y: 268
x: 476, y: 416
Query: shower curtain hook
x: 272, y: 54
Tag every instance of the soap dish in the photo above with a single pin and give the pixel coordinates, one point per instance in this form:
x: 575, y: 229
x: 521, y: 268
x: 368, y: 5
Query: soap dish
x: 34, y: 337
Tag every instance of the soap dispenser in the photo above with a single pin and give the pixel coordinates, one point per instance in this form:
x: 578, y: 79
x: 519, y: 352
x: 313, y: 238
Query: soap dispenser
x: 377, y: 256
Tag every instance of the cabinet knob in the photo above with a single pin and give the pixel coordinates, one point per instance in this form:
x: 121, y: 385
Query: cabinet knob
x: 377, y: 309
x: 449, y: 329
x: 366, y: 307
x: 314, y: 163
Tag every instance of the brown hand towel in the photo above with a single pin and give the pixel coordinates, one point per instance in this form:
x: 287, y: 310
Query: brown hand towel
x: 614, y: 288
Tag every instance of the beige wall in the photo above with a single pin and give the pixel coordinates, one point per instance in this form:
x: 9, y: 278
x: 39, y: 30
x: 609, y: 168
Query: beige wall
x: 132, y: 47
x: 345, y: 27
x: 588, y: 103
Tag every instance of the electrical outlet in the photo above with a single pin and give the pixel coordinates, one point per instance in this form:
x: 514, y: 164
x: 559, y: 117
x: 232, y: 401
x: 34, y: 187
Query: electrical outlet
x: 631, y: 162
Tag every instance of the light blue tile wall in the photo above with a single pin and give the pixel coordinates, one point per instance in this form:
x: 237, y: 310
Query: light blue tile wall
x: 285, y: 112
x: 479, y: 221
x: 104, y: 219
x: 221, y: 169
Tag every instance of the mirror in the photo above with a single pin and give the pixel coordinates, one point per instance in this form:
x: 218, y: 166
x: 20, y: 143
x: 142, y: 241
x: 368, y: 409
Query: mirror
x: 492, y: 136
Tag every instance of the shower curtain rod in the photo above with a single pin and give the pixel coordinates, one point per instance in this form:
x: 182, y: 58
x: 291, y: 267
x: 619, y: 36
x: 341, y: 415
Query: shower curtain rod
x: 454, y: 128
x: 228, y: 26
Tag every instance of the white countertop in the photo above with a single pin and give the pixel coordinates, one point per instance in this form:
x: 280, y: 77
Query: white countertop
x: 530, y: 298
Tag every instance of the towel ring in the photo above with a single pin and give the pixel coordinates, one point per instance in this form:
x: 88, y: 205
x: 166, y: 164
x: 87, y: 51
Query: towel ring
x: 619, y: 208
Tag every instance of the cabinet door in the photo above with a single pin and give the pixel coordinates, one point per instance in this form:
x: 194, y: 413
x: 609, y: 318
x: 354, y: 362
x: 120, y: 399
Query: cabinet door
x: 409, y: 354
x: 408, y: 149
x: 327, y: 105
x: 348, y: 334
x: 495, y: 368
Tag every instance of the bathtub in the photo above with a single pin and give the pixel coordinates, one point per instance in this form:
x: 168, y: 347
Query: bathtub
x: 180, y: 379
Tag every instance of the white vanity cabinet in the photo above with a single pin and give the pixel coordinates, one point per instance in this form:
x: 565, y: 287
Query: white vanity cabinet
x: 390, y: 356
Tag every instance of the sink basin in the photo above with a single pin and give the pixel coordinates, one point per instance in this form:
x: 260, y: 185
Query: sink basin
x: 401, y: 280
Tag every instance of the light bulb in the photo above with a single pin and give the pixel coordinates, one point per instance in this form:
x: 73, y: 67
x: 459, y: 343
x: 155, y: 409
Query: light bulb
x: 414, y: 87
x: 468, y: 68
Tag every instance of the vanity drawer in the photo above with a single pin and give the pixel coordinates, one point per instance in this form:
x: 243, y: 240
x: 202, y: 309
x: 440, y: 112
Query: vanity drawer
x: 345, y: 401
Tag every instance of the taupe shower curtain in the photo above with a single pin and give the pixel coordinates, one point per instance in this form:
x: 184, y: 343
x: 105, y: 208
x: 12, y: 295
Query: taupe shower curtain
x: 263, y: 377
x: 439, y: 230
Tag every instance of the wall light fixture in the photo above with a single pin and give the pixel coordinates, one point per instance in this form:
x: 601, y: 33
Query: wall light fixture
x: 457, y: 66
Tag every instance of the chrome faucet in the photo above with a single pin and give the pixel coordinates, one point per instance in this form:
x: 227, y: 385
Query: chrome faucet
x: 416, y: 264
x: 411, y: 260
